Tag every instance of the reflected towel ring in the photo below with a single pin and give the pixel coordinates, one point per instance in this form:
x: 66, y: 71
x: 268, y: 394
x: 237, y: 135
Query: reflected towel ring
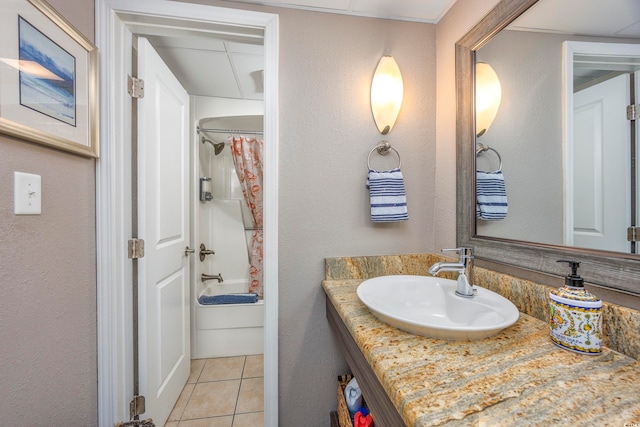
x: 383, y: 149
x: 481, y: 148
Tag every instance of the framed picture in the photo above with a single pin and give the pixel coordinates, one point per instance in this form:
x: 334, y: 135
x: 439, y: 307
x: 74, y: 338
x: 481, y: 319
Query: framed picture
x: 48, y: 79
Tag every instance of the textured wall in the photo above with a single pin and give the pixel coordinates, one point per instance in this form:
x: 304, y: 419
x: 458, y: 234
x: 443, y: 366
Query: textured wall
x: 462, y: 16
x: 326, y: 132
x: 48, y: 363
x: 326, y: 128
x: 531, y: 149
x: 326, y: 63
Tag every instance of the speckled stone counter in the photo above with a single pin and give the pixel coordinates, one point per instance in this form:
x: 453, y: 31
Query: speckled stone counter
x: 515, y: 378
x: 621, y: 325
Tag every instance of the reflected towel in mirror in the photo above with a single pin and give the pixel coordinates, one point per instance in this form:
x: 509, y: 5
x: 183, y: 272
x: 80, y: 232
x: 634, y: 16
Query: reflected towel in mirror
x: 491, y: 196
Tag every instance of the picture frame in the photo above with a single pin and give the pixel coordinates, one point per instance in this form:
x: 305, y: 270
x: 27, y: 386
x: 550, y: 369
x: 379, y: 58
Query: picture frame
x: 48, y: 79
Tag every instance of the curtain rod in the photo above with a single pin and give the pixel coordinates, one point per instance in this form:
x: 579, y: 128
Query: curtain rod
x: 250, y: 132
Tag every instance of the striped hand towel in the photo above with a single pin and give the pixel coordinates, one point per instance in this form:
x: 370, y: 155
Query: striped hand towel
x: 491, y: 196
x: 388, y: 198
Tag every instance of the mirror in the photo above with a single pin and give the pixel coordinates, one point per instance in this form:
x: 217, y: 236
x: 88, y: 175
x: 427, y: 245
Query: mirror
x: 524, y: 41
x: 565, y: 193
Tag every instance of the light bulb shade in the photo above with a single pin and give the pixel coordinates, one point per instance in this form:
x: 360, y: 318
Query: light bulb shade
x: 488, y: 95
x: 387, y: 90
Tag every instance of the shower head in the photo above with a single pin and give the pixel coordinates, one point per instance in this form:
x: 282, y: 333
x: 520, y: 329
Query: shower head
x: 217, y: 146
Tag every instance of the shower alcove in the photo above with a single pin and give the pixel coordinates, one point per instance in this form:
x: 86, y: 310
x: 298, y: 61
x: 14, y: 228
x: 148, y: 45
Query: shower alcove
x: 223, y: 223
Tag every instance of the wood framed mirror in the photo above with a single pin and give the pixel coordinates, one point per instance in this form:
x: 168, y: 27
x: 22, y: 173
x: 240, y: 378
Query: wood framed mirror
x: 616, y: 275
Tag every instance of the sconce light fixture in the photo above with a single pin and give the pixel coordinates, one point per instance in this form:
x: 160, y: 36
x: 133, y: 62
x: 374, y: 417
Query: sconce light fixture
x: 386, y: 94
x: 488, y: 95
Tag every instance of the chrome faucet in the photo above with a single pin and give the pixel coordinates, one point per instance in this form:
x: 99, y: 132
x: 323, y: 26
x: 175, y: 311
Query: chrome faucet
x: 218, y: 277
x: 463, y: 267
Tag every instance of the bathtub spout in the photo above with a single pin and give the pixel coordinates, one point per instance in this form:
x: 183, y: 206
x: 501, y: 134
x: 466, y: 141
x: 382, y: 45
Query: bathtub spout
x: 218, y: 277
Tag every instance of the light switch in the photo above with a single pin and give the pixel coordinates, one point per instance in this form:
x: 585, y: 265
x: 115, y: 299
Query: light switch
x: 27, y: 195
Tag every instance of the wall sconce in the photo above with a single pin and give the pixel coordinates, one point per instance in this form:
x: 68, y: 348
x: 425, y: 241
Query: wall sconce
x: 386, y: 94
x: 488, y: 95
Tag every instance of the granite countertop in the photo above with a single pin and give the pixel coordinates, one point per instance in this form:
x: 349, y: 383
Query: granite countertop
x: 517, y: 377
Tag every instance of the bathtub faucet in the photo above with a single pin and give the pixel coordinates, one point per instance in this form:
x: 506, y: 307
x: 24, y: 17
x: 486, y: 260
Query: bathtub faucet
x: 217, y: 277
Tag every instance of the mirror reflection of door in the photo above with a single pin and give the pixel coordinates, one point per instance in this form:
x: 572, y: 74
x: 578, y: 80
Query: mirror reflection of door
x: 602, y: 181
x: 603, y: 191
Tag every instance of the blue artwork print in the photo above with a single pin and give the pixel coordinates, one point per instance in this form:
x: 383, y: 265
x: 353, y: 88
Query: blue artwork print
x: 47, y: 75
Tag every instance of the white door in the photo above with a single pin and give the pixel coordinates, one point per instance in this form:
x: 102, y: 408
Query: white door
x: 602, y: 209
x: 163, y: 212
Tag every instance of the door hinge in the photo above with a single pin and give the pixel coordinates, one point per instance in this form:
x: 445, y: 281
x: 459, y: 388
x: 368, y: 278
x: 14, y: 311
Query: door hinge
x: 135, y: 87
x: 633, y: 112
x: 136, y: 248
x: 137, y: 406
x: 633, y: 234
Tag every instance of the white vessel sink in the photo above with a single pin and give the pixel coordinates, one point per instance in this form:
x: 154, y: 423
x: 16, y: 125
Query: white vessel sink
x: 428, y: 306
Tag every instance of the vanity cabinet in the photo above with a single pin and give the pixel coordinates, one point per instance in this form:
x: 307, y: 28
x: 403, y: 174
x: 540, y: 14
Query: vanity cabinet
x: 333, y: 418
x: 417, y: 381
x: 383, y: 410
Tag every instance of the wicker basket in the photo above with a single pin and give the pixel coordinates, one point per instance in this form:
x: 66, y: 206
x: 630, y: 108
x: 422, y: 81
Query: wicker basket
x: 343, y: 412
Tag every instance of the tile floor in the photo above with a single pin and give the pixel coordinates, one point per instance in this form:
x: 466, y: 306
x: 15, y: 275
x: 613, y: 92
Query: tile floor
x: 222, y: 392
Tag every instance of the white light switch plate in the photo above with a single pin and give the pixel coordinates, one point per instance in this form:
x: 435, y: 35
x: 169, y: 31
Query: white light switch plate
x: 27, y: 197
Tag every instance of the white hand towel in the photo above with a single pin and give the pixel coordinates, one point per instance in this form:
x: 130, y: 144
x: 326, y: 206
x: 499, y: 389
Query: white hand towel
x: 388, y: 197
x: 491, y: 196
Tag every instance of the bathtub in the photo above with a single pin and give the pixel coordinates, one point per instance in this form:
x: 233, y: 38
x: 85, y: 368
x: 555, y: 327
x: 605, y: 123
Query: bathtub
x: 227, y: 329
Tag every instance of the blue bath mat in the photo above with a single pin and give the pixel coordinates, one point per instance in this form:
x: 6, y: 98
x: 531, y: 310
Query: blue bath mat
x: 241, y: 298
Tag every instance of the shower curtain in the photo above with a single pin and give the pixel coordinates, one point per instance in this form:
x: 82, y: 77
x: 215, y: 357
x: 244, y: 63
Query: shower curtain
x: 247, y: 158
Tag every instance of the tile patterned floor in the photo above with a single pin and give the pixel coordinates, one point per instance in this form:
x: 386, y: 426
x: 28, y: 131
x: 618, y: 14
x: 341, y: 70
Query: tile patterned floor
x: 222, y: 392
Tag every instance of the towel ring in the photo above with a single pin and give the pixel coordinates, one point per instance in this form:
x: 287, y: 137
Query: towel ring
x: 383, y: 149
x: 481, y: 148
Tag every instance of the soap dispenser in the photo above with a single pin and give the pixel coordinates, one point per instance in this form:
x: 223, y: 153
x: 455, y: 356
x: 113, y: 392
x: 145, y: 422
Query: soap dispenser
x: 576, y: 315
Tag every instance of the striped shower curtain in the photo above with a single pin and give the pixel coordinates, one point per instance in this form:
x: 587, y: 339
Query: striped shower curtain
x: 247, y: 158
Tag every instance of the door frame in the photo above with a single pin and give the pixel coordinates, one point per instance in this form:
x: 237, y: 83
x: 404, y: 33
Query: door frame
x: 113, y: 197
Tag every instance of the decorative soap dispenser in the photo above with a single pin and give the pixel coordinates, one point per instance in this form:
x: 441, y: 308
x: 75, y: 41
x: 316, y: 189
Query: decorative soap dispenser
x: 576, y: 315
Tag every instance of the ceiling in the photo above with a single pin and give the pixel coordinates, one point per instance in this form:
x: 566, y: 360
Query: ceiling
x: 211, y: 66
x: 213, y: 63
x: 613, y: 19
x: 407, y: 10
x: 228, y: 62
